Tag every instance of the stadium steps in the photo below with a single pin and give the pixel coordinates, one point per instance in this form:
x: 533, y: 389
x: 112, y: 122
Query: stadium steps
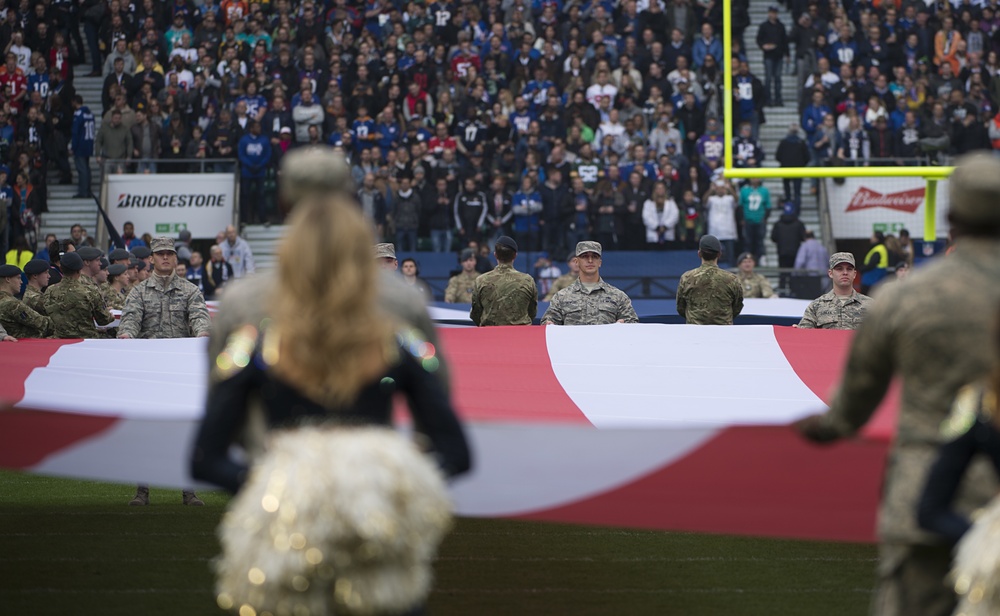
x: 64, y: 210
x: 264, y: 244
x: 778, y: 120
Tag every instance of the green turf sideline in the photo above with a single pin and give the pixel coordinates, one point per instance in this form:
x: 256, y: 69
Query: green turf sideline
x: 75, y: 547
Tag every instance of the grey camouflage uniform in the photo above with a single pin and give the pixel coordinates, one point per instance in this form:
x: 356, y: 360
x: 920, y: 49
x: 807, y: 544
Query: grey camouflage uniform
x: 575, y: 305
x: 504, y: 296
x: 561, y: 283
x: 708, y: 295
x: 175, y: 310
x: 460, y: 287
x: 932, y: 330
x: 33, y: 298
x: 73, y: 308
x: 828, y: 312
x: 755, y: 285
x: 20, y: 320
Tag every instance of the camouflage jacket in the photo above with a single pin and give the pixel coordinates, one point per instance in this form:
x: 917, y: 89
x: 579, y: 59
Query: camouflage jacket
x: 708, y: 295
x: 20, y: 320
x: 828, y: 312
x: 561, y: 283
x: 74, y: 307
x: 33, y: 298
x: 931, y: 331
x: 460, y: 287
x: 504, y: 296
x: 755, y: 285
x: 114, y: 299
x: 575, y: 305
x: 176, y: 310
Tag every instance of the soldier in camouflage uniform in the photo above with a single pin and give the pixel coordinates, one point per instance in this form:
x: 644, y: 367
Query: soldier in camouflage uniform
x: 116, y: 290
x: 504, y: 296
x: 74, y: 306
x: 460, y: 285
x: 842, y: 307
x: 589, y: 300
x: 708, y: 295
x: 932, y: 331
x: 753, y: 284
x: 4, y: 336
x: 37, y: 271
x: 566, y: 279
x: 164, y: 306
x: 91, y: 264
x: 18, y: 319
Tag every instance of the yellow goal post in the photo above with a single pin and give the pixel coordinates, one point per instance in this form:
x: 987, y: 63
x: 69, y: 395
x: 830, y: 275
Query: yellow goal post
x: 930, y: 174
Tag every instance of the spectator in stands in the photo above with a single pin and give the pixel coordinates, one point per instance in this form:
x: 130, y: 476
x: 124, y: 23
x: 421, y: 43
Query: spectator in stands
x: 660, y: 216
x: 114, y: 141
x: 721, y: 206
x: 772, y: 38
x: 254, y: 153
x: 236, y: 252
x: 145, y: 142
x: 793, y: 152
x: 217, y: 272
x: 876, y: 263
x: 788, y: 234
x: 405, y: 217
x: 755, y: 203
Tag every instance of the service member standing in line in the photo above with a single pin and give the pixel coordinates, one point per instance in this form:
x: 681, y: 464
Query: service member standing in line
x: 385, y: 254
x: 164, y: 306
x: 117, y: 289
x: 566, y: 279
x: 708, y: 295
x: 91, y: 264
x: 460, y: 285
x: 19, y: 320
x: 754, y: 285
x: 589, y: 300
x: 73, y: 306
x: 37, y: 271
x: 933, y: 332
x: 842, y: 307
x: 504, y: 296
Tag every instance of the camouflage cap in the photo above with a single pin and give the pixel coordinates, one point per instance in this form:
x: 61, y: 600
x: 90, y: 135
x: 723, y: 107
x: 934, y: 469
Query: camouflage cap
x: 314, y: 171
x: 842, y: 257
x: 162, y: 244
x: 36, y: 266
x: 583, y: 247
x: 385, y: 251
x: 71, y: 262
x: 89, y: 253
x: 7, y: 271
x: 974, y: 190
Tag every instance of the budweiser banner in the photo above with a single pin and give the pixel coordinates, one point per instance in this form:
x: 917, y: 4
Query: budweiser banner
x: 862, y: 205
x: 202, y: 203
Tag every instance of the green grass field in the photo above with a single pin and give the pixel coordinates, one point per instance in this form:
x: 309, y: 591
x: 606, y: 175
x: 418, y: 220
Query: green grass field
x: 74, y: 547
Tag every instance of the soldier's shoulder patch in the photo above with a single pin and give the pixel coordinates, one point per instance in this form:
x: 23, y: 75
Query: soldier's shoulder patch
x: 237, y: 353
x: 24, y: 315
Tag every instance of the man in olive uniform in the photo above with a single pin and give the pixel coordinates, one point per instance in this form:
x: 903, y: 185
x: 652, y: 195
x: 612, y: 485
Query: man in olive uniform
x: 91, y: 264
x: 73, y: 306
x: 164, y: 306
x: 37, y: 271
x: 460, y: 285
x: 590, y: 300
x: 385, y: 254
x: 930, y: 331
x: 504, y: 296
x: 754, y: 285
x: 708, y: 295
x: 566, y: 279
x: 18, y: 319
x: 842, y: 307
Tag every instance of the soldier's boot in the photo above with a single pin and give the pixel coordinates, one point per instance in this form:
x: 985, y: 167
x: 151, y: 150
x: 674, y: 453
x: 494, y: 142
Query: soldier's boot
x: 190, y: 498
x: 141, y: 497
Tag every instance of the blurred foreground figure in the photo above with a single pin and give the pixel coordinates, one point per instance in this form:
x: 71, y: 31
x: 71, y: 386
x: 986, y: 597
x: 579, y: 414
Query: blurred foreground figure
x: 928, y: 330
x: 338, y: 513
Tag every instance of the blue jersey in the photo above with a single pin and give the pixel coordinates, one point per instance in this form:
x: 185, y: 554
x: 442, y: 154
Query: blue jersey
x: 254, y: 104
x: 390, y: 135
x: 520, y: 120
x: 40, y: 84
x: 537, y: 92
x: 83, y: 131
x: 364, y: 131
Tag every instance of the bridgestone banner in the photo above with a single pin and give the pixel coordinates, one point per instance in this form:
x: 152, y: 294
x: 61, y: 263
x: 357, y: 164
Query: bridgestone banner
x: 202, y: 203
x: 860, y: 206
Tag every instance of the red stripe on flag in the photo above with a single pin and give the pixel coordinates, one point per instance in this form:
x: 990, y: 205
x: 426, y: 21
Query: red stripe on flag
x: 750, y: 481
x: 18, y: 359
x: 27, y: 437
x: 505, y: 374
x: 812, y: 353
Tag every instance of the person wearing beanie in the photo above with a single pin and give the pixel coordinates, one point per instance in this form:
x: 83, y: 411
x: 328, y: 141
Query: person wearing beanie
x: 708, y: 295
x: 17, y: 319
x: 73, y: 306
x: 38, y: 273
x: 504, y: 296
x: 460, y: 286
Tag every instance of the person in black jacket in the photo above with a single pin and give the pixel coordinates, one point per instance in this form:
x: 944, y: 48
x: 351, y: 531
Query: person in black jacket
x: 773, y: 41
x: 788, y: 233
x: 793, y: 152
